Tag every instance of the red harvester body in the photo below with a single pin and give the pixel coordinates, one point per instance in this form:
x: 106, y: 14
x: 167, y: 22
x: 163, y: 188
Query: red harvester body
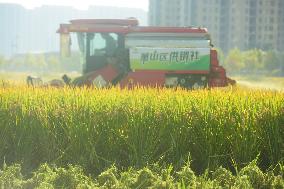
x: 121, y: 52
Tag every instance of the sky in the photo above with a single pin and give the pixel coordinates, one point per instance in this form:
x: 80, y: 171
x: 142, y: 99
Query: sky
x: 82, y: 4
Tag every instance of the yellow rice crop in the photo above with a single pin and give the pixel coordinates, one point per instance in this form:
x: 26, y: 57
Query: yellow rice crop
x: 95, y: 128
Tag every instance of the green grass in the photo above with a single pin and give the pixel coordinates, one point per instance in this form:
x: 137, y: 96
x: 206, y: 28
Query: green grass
x: 70, y: 177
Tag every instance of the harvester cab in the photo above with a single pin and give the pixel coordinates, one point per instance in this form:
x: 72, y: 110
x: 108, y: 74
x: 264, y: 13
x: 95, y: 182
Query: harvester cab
x: 122, y: 52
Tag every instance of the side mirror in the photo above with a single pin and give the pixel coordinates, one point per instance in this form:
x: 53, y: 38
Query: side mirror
x: 65, y: 45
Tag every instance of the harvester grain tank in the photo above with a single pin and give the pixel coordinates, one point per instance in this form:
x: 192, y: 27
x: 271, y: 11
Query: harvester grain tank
x: 116, y: 51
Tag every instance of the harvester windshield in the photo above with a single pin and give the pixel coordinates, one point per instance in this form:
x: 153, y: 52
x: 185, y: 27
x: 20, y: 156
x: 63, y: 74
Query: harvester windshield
x: 82, y: 42
x: 96, y: 48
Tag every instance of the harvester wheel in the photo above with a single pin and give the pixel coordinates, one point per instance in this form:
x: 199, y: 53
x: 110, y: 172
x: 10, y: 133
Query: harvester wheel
x: 183, y: 82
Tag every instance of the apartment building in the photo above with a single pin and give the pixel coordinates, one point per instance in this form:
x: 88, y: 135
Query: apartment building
x: 245, y: 24
x: 34, y: 30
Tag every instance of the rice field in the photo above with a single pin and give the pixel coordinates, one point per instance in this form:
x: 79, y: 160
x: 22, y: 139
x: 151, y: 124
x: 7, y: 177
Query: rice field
x: 100, y: 128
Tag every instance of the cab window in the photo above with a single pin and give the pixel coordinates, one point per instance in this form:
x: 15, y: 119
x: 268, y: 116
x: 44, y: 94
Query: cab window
x: 102, y: 44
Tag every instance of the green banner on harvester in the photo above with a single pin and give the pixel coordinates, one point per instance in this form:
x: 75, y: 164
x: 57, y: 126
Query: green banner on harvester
x: 146, y: 58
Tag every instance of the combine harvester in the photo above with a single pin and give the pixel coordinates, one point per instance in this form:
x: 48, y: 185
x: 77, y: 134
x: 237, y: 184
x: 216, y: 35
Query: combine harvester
x: 122, y: 52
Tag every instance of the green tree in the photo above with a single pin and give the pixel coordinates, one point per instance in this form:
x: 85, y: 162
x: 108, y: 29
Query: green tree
x: 35, y: 62
x: 41, y: 62
x: 221, y: 56
x: 3, y: 61
x: 234, y: 62
x: 73, y: 63
x: 281, y: 63
x: 17, y: 63
x: 54, y: 63
x: 30, y: 61
x: 253, y: 60
x: 272, y: 61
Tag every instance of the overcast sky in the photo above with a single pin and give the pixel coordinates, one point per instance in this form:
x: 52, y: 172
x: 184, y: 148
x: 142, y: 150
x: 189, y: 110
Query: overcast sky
x: 81, y: 4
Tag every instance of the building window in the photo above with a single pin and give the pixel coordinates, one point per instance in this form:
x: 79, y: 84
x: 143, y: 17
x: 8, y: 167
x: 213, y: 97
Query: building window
x: 186, y: 18
x: 216, y: 19
x: 273, y: 3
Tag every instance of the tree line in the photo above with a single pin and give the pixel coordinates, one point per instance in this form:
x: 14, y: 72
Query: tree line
x: 236, y: 62
x: 41, y: 62
x: 254, y: 61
